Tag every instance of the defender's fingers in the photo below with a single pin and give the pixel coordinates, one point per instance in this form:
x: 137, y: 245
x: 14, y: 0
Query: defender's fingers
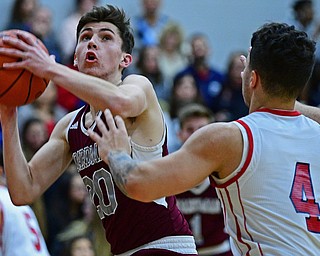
x: 243, y: 59
x: 101, y: 126
x: 94, y: 136
x: 109, y: 120
x: 120, y: 124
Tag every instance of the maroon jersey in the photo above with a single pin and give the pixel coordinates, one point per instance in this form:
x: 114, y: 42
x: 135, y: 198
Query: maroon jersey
x: 128, y: 223
x: 202, y: 209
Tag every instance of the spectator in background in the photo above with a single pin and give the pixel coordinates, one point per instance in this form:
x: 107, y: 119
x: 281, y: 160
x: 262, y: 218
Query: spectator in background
x: 231, y: 105
x: 312, y: 93
x: 20, y: 233
x: 45, y: 107
x: 21, y: 14
x: 305, y: 19
x: 67, y: 40
x: 183, y: 92
x: 42, y: 27
x: 148, y: 66
x: 33, y: 135
x: 200, y: 205
x: 79, y: 246
x: 148, y: 25
x: 208, y: 79
x: 172, y: 57
x: 68, y: 217
x: 67, y: 35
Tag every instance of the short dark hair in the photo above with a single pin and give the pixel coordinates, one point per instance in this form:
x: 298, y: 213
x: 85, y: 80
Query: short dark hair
x: 115, y: 16
x: 283, y: 57
x: 194, y: 110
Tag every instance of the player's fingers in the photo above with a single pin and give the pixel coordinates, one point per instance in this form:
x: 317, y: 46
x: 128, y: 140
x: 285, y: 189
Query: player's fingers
x: 12, y: 52
x: 120, y: 124
x: 53, y: 58
x: 101, y: 126
x: 243, y: 59
x: 15, y: 42
x: 109, y: 120
x: 26, y: 38
x: 94, y: 136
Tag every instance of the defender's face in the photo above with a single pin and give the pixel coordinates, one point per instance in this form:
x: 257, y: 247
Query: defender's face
x: 98, y: 51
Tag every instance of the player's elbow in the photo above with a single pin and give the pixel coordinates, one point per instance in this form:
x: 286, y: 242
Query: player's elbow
x: 19, y: 199
x: 120, y: 105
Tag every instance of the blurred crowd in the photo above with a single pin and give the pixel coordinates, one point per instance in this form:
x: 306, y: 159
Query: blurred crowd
x: 180, y: 71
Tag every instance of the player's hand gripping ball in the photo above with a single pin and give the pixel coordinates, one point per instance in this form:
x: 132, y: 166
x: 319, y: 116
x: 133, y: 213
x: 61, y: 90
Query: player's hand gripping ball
x: 19, y: 86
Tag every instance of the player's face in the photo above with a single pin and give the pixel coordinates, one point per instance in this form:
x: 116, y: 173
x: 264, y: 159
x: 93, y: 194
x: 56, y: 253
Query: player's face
x: 99, y: 51
x: 191, y: 125
x: 82, y: 247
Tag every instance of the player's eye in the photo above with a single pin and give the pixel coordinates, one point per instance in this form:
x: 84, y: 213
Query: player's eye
x: 85, y: 37
x: 106, y: 38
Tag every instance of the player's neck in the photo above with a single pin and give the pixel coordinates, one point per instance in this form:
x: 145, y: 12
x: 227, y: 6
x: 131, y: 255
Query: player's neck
x: 273, y: 104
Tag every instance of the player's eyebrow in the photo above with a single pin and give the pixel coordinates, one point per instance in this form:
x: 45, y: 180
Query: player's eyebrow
x: 100, y: 30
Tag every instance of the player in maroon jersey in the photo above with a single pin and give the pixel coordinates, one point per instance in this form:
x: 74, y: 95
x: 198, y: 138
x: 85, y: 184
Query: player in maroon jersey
x: 103, y: 51
x: 200, y: 205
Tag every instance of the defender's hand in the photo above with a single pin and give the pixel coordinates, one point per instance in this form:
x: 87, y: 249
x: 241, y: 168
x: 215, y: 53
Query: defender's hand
x: 114, y: 136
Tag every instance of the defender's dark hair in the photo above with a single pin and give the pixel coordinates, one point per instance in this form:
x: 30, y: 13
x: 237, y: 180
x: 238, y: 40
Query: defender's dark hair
x: 283, y: 57
x: 113, y: 15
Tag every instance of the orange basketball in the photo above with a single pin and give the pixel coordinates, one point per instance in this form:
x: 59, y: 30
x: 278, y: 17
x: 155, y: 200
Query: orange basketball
x: 19, y: 86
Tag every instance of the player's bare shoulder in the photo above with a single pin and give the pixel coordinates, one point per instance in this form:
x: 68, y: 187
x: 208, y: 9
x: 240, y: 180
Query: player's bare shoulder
x: 62, y: 125
x: 139, y: 80
x: 220, y: 144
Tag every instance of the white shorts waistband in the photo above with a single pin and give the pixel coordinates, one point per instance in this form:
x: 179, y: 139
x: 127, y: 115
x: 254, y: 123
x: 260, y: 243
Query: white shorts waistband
x: 180, y: 244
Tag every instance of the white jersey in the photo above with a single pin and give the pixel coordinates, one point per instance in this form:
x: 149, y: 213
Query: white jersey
x: 20, y: 234
x: 272, y: 200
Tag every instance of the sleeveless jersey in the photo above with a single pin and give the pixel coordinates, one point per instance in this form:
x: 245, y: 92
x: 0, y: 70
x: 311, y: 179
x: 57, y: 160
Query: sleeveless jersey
x: 202, y: 209
x: 272, y: 200
x: 128, y: 223
x: 19, y: 229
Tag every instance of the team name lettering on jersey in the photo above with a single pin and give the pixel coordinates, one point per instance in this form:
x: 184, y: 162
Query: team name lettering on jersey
x: 86, y: 157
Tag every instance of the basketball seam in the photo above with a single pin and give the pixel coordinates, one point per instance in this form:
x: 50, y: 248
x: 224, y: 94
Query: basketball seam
x: 12, y: 84
x: 30, y: 87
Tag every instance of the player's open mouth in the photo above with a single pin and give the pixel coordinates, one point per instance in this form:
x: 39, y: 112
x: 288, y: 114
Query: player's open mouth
x: 91, y: 57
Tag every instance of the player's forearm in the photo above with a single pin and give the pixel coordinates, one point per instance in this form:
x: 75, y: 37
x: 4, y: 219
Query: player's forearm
x: 309, y: 111
x: 121, y: 166
x: 97, y: 92
x: 126, y: 173
x: 15, y: 164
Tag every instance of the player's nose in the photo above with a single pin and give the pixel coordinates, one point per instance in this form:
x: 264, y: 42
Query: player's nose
x: 92, y: 44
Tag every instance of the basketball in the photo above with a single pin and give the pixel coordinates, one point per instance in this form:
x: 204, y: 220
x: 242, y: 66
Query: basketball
x: 18, y: 86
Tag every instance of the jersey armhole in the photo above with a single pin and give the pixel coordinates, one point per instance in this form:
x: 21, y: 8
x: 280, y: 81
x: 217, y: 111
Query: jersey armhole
x: 245, y: 159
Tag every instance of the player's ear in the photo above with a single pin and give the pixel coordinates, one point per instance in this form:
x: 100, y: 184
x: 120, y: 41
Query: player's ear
x: 75, y: 61
x: 254, y: 78
x: 126, y: 60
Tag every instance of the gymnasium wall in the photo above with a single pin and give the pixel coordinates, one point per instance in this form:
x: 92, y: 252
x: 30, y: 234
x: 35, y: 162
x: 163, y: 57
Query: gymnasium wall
x: 228, y: 23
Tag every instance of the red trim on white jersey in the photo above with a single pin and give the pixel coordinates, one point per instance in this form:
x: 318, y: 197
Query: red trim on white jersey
x: 246, y: 163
